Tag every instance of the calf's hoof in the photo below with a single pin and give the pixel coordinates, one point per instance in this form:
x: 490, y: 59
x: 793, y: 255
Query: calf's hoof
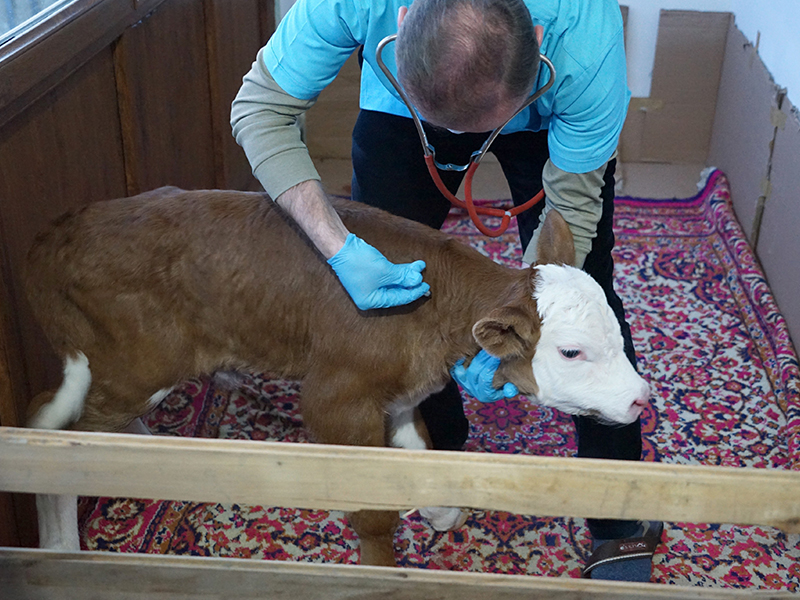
x: 378, y: 551
x: 375, y: 529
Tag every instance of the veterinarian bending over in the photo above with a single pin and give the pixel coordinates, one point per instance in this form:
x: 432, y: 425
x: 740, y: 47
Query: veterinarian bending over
x: 467, y: 65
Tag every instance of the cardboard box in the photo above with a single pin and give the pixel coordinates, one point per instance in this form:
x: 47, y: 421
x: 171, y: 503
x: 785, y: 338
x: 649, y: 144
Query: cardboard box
x: 674, y: 124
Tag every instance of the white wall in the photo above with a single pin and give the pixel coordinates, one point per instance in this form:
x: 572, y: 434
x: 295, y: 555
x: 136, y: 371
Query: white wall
x: 778, y: 22
x: 281, y: 6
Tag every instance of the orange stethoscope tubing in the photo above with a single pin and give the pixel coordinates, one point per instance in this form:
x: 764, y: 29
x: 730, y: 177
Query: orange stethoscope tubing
x: 475, y: 158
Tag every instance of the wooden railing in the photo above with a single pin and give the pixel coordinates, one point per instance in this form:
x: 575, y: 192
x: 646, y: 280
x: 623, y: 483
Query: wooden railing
x: 349, y: 478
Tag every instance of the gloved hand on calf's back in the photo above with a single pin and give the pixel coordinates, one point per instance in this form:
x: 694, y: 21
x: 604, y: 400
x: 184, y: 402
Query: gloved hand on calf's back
x: 374, y: 282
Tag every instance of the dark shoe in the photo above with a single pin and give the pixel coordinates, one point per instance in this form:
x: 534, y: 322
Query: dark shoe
x: 628, y: 559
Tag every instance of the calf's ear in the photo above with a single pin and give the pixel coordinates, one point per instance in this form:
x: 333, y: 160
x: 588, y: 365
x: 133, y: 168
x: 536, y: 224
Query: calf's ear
x: 556, y: 245
x: 507, y: 332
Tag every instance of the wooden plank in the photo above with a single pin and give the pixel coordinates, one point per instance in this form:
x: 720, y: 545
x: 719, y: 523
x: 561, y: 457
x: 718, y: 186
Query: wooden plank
x: 164, y: 99
x: 63, y: 152
x: 234, y: 36
x: 349, y: 478
x: 36, y: 574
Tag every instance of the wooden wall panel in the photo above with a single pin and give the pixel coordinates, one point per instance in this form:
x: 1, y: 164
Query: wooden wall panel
x: 59, y: 155
x: 12, y: 384
x: 36, y: 61
x: 233, y: 36
x: 329, y: 123
x: 63, y: 152
x: 8, y: 533
x: 165, y: 101
x: 101, y: 104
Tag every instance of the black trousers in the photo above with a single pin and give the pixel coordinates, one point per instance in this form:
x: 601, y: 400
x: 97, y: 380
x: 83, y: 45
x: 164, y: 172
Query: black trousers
x: 389, y: 172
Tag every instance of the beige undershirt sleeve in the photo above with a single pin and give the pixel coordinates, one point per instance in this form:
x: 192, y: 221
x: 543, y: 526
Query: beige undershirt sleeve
x: 264, y: 122
x: 577, y: 197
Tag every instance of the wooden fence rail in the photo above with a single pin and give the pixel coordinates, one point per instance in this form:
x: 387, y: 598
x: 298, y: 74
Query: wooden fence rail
x: 317, y: 476
x: 348, y: 478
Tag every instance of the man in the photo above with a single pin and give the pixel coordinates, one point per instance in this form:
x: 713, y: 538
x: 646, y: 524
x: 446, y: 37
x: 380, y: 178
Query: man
x: 467, y: 67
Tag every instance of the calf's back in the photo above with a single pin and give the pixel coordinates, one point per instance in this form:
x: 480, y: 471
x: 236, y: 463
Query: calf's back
x: 172, y: 283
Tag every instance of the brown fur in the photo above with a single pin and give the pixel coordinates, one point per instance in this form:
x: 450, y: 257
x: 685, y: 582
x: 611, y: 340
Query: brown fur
x: 169, y: 284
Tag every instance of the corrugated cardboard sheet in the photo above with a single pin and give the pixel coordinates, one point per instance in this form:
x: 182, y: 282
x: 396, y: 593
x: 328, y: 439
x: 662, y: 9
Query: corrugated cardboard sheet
x: 674, y: 124
x: 778, y: 247
x: 741, y: 142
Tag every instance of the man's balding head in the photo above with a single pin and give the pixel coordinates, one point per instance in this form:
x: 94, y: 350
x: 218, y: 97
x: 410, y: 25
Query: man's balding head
x: 467, y: 64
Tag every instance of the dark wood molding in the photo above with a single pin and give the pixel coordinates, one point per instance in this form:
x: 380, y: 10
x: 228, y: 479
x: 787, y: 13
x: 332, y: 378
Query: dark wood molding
x: 34, y: 63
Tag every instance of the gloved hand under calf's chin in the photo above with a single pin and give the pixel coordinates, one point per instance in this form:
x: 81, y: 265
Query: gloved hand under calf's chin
x: 477, y: 379
x: 374, y: 282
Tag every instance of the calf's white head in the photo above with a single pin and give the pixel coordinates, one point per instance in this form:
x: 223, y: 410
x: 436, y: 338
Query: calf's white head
x: 559, y: 341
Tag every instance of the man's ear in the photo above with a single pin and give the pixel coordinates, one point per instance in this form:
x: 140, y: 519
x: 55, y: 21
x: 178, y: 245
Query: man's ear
x: 507, y: 332
x: 401, y: 14
x: 556, y: 245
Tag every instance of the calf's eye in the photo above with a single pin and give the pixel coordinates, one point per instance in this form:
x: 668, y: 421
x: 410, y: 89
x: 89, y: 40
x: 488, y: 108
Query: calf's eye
x: 570, y: 353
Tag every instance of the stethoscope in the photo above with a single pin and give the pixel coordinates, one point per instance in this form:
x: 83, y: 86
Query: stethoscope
x: 475, y: 158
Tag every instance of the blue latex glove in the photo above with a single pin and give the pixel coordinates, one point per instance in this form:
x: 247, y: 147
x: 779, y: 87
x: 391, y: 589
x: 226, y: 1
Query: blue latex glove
x: 477, y: 378
x: 374, y: 282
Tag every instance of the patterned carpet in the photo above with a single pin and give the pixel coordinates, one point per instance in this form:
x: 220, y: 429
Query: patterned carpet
x: 710, y: 340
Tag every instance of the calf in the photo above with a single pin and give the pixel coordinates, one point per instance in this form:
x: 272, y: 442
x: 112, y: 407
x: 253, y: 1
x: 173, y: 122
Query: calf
x: 138, y: 294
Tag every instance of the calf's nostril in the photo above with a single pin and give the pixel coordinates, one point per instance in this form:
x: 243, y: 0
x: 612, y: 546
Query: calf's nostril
x: 635, y: 411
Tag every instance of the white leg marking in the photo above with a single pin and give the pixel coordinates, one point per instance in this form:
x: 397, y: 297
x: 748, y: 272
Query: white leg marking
x: 158, y: 397
x: 404, y: 433
x: 58, y: 522
x: 66, y: 407
x: 405, y: 436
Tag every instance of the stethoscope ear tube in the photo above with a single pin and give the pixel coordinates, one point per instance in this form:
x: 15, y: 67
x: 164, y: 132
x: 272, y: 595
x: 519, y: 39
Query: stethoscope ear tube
x: 398, y: 88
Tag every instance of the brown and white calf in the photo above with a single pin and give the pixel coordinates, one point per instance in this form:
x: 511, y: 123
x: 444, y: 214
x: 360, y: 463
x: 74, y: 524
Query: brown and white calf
x: 138, y: 294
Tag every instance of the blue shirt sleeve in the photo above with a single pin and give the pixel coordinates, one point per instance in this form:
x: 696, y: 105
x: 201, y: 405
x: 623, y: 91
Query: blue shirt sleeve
x: 312, y: 42
x: 589, y: 112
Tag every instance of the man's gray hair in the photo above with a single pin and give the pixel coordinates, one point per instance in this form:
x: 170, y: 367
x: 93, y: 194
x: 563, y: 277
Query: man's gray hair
x: 458, y: 59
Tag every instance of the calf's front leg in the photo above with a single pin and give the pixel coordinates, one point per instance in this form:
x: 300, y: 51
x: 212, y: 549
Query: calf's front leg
x: 376, y: 529
x: 339, y: 409
x: 408, y: 431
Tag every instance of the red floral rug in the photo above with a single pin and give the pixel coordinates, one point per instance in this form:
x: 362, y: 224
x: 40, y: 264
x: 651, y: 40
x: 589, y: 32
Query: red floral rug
x: 711, y: 341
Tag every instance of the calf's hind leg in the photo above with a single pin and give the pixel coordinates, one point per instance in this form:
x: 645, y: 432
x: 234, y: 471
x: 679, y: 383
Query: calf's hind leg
x: 335, y: 415
x: 75, y: 399
x: 58, y: 409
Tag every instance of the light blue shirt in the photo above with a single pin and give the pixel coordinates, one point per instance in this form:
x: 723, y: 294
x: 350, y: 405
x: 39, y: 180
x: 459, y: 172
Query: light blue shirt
x: 584, y: 111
